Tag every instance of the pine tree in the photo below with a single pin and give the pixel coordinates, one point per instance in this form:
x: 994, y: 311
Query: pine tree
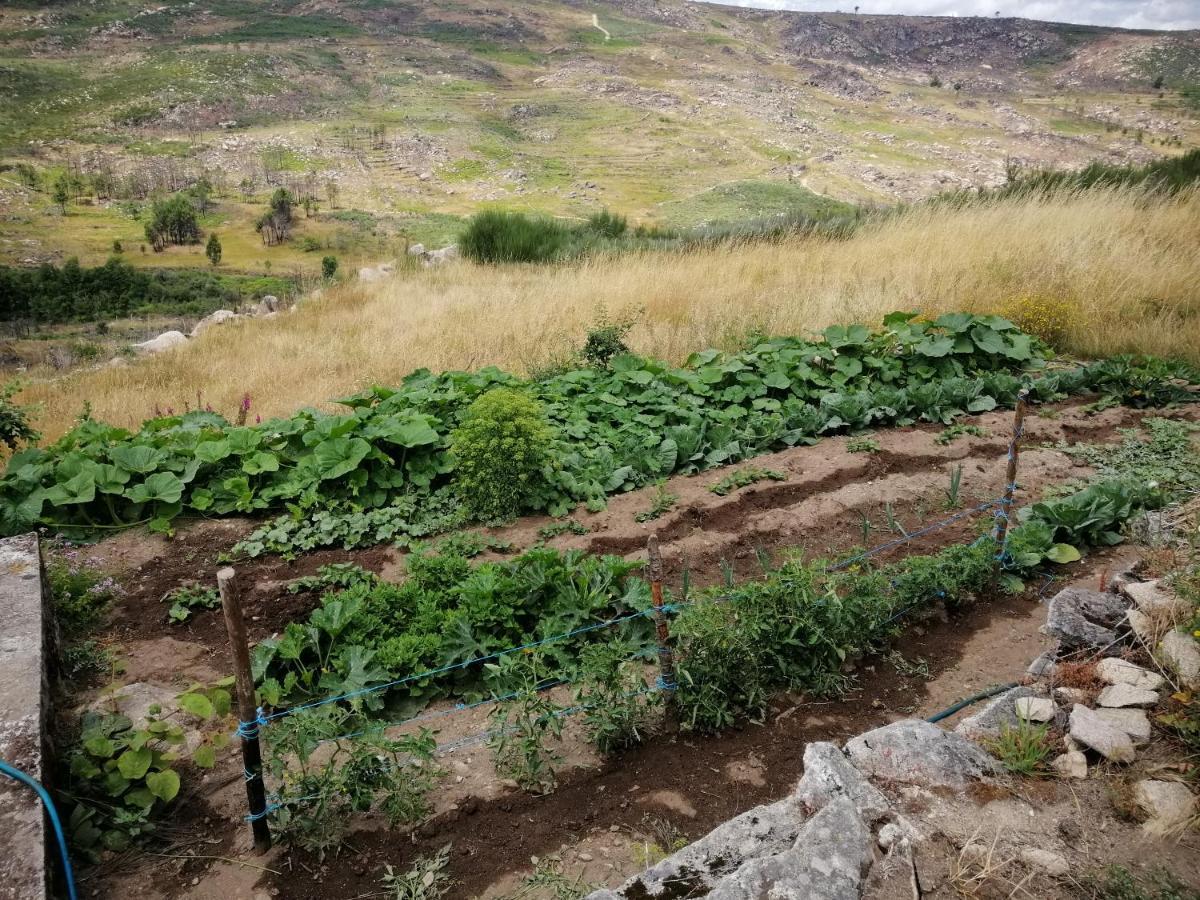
x: 213, y: 249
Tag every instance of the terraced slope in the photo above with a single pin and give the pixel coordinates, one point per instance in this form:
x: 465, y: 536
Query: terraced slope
x: 673, y: 112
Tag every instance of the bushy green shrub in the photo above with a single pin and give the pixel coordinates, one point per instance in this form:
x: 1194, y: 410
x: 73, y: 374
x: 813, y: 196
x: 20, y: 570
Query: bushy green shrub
x: 607, y: 224
x: 500, y: 448
x: 15, y: 428
x: 494, y: 236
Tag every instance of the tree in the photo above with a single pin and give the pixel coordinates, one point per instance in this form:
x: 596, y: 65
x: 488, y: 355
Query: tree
x: 213, y: 249
x: 328, y: 267
x: 172, y: 221
x: 1158, y: 82
x: 61, y: 193
x: 276, y: 223
x: 331, y: 191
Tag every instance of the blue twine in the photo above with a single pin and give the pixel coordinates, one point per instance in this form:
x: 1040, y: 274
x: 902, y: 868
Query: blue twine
x: 250, y: 776
x: 249, y: 730
x: 912, y: 535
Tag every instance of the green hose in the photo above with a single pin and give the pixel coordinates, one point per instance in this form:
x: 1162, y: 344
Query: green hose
x: 974, y: 698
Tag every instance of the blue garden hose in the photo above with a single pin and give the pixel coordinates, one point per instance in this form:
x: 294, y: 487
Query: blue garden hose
x: 54, y: 820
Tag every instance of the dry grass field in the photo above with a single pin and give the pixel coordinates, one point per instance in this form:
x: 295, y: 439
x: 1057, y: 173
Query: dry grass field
x: 1122, y: 269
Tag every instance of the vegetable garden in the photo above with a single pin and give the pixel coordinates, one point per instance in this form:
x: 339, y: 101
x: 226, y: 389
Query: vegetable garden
x: 359, y: 676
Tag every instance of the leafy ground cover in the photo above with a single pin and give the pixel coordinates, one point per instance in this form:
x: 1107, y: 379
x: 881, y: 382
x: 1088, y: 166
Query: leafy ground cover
x: 385, y: 470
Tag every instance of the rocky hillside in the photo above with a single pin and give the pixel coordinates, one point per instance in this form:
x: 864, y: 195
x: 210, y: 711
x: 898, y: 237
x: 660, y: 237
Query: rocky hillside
x: 671, y: 112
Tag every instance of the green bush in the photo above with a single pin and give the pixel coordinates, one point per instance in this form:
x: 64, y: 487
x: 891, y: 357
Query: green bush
x: 15, y: 428
x: 502, y: 237
x: 500, y: 448
x: 608, y: 224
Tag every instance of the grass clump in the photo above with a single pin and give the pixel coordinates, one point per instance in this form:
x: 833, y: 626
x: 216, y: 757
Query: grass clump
x: 494, y: 236
x: 500, y: 447
x: 1025, y: 749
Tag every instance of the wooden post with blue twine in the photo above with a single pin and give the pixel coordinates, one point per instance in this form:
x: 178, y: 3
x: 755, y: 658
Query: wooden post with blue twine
x: 249, y: 716
x: 1005, y: 508
x: 666, y: 657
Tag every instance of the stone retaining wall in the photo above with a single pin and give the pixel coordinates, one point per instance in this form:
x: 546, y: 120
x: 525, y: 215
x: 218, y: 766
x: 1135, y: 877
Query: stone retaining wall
x: 23, y: 712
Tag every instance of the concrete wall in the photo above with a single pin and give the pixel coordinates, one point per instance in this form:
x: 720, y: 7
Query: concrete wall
x: 23, y: 711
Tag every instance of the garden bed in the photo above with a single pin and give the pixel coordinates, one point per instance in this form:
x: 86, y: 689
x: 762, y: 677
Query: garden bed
x: 689, y: 782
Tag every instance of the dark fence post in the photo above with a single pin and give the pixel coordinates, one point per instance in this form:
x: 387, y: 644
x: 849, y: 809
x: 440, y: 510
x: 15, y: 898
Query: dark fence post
x: 1004, y: 513
x: 666, y: 657
x: 256, y: 790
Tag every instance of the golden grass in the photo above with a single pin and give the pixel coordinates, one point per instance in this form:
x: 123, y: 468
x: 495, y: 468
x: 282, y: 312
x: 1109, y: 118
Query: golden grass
x: 1129, y: 268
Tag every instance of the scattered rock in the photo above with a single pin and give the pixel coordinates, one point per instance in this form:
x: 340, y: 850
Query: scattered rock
x: 1044, y: 665
x: 1134, y: 722
x: 165, y: 341
x: 828, y: 775
x: 1118, y: 671
x: 1081, y: 618
x: 220, y: 317
x: 913, y: 751
x: 1071, y: 695
x: 1045, y: 861
x: 998, y: 713
x: 1143, y: 626
x: 1166, y: 803
x: 829, y: 861
x: 1035, y: 709
x: 443, y: 256
x: 1116, y: 696
x: 1102, y: 736
x: 1182, y: 656
x: 1157, y: 600
x: 1072, y: 764
x: 416, y: 250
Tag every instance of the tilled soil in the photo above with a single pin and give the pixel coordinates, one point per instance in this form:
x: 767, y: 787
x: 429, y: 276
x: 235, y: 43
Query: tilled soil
x: 678, y: 783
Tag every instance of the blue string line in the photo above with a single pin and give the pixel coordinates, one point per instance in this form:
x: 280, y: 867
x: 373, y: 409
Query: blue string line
x: 915, y: 534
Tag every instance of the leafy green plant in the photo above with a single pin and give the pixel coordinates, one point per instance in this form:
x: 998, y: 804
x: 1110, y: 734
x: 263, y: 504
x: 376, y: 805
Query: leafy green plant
x: 862, y: 445
x: 743, y: 477
x: 605, y: 340
x: 662, y: 502
x: 947, y: 435
x: 80, y: 595
x: 356, y: 771
x: 384, y: 469
x: 15, y: 427
x: 567, y: 526
x: 189, y: 599
x: 123, y: 777
x: 619, y: 706
x: 796, y: 628
x: 501, y: 447
x: 1023, y: 750
x: 446, y: 612
x: 334, y: 575
x: 426, y: 880
x: 523, y: 726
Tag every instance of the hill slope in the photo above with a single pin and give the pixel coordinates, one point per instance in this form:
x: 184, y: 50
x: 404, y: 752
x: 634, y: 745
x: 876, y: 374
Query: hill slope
x: 672, y: 112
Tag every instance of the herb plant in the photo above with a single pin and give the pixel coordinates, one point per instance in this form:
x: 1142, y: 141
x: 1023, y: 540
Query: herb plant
x: 740, y: 478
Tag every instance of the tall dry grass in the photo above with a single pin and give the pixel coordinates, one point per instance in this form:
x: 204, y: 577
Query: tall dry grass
x: 1127, y: 267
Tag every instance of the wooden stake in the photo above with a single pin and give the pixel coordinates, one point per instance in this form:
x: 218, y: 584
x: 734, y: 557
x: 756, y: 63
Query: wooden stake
x: 256, y: 790
x: 666, y: 657
x: 1010, y: 476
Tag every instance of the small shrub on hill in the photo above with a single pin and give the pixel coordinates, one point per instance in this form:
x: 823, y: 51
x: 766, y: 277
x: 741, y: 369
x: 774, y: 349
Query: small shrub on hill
x: 502, y: 237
